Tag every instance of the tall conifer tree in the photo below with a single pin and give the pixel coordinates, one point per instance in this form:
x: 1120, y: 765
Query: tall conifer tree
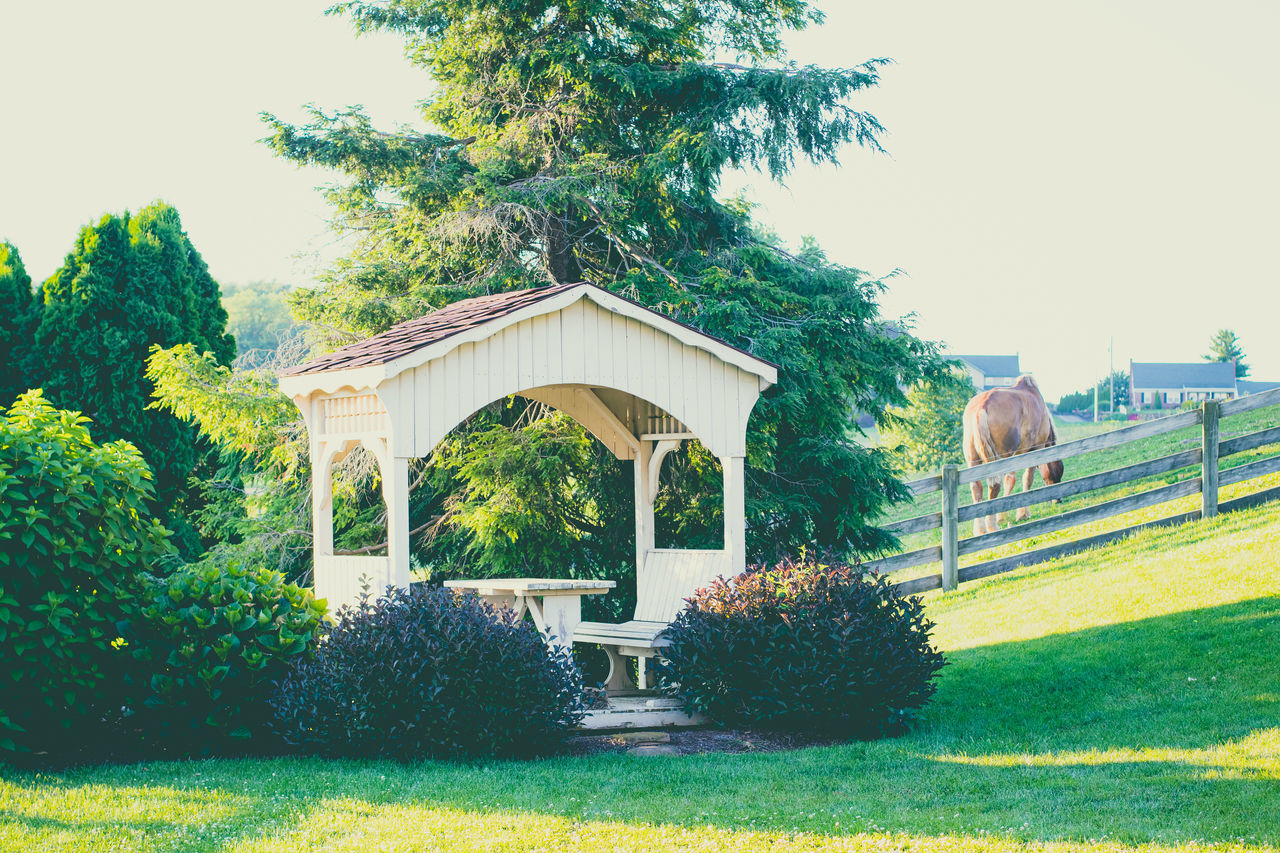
x: 130, y: 282
x: 17, y: 318
x: 1225, y: 346
x: 586, y: 139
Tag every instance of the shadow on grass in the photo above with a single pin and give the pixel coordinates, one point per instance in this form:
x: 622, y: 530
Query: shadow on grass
x: 1185, y: 680
x: 1069, y: 737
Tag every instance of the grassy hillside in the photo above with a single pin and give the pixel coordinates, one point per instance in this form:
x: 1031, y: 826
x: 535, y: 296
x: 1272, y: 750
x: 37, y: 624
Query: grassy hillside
x: 1128, y: 698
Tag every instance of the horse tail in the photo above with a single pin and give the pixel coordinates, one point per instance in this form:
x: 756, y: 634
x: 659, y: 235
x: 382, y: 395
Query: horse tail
x: 984, y: 436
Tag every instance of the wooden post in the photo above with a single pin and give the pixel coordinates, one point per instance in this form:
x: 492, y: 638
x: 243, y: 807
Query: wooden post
x: 395, y: 492
x: 644, y: 503
x: 735, y: 524
x: 322, y: 454
x: 321, y: 501
x: 950, y: 526
x: 1209, y: 465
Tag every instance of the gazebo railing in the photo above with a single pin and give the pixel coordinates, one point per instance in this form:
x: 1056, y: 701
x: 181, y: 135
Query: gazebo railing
x: 343, y: 577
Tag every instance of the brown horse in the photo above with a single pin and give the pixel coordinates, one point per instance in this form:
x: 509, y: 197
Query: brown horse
x: 1001, y: 423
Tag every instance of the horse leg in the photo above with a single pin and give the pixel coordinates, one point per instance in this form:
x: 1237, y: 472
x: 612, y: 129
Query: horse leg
x: 1010, y: 480
x: 975, y: 489
x: 1028, y: 480
x: 993, y: 488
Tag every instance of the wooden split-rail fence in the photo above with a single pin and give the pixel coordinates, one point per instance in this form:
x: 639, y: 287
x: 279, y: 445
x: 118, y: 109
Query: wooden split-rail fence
x: 1212, y: 476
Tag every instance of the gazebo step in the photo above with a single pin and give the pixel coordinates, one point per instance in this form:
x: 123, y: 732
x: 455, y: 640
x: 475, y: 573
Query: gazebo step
x: 640, y: 712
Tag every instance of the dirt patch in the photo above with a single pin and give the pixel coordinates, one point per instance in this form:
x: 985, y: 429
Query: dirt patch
x: 692, y: 741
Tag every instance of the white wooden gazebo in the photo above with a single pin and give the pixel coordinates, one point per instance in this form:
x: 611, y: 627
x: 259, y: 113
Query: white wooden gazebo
x: 639, y: 381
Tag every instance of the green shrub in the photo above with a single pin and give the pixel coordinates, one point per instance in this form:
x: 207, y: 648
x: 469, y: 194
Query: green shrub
x: 427, y: 672
x: 1076, y: 401
x: 76, y: 538
x: 213, y: 639
x: 803, y: 647
x: 929, y: 431
x: 1110, y: 391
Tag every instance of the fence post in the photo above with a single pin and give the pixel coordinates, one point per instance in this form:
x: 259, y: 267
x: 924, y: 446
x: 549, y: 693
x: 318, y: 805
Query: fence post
x: 1209, y: 463
x: 950, y: 526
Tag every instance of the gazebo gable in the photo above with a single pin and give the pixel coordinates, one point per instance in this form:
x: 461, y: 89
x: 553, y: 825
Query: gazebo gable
x: 621, y: 369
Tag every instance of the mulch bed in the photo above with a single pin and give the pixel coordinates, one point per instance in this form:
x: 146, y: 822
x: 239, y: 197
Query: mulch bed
x: 692, y: 741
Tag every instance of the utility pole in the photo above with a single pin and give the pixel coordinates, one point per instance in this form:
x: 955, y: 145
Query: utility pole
x: 1111, y: 375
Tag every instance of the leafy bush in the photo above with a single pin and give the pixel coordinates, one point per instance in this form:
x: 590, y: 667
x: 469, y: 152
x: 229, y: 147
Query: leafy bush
x: 1111, y: 390
x: 803, y: 647
x: 929, y: 432
x: 1076, y: 401
x: 213, y: 639
x: 75, y: 540
x: 426, y: 672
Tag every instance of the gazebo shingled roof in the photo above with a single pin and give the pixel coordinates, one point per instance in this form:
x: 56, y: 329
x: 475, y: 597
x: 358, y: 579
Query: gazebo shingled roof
x: 443, y: 323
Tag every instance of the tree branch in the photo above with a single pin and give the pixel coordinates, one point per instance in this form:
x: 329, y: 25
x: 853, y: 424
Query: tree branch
x: 381, y: 545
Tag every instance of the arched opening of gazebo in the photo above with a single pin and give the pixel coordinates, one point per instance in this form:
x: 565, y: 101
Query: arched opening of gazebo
x: 635, y: 379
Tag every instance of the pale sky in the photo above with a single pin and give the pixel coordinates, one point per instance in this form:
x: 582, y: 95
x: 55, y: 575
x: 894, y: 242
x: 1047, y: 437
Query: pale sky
x: 1059, y: 175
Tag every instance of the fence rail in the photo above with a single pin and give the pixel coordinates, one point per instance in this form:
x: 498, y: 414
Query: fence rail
x: 1207, y: 456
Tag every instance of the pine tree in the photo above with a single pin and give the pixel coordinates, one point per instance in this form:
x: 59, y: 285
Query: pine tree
x: 18, y: 314
x: 130, y: 282
x: 1225, y: 346
x: 586, y: 139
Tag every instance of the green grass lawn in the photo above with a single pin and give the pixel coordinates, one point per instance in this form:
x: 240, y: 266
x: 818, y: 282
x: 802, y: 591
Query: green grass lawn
x: 1127, y: 698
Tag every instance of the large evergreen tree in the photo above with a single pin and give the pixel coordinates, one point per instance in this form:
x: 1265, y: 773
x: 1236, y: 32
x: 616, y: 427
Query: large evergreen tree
x: 17, y: 318
x: 586, y: 139
x: 131, y: 281
x: 1225, y: 346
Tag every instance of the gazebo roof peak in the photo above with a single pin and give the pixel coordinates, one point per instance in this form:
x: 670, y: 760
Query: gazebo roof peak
x: 469, y: 315
x: 410, y: 335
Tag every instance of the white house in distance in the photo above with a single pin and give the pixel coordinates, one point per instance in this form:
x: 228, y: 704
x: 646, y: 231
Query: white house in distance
x: 990, y: 371
x: 1162, y: 385
x: 1245, y: 387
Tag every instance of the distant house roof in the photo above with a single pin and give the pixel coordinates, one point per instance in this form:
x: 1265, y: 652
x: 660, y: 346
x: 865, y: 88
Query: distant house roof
x: 1247, y: 386
x: 1196, y: 374
x: 991, y: 365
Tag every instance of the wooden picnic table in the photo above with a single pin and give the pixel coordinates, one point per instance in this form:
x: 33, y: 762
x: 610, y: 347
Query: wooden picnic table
x: 554, y: 603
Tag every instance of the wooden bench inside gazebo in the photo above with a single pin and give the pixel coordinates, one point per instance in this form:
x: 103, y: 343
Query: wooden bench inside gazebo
x: 637, y: 380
